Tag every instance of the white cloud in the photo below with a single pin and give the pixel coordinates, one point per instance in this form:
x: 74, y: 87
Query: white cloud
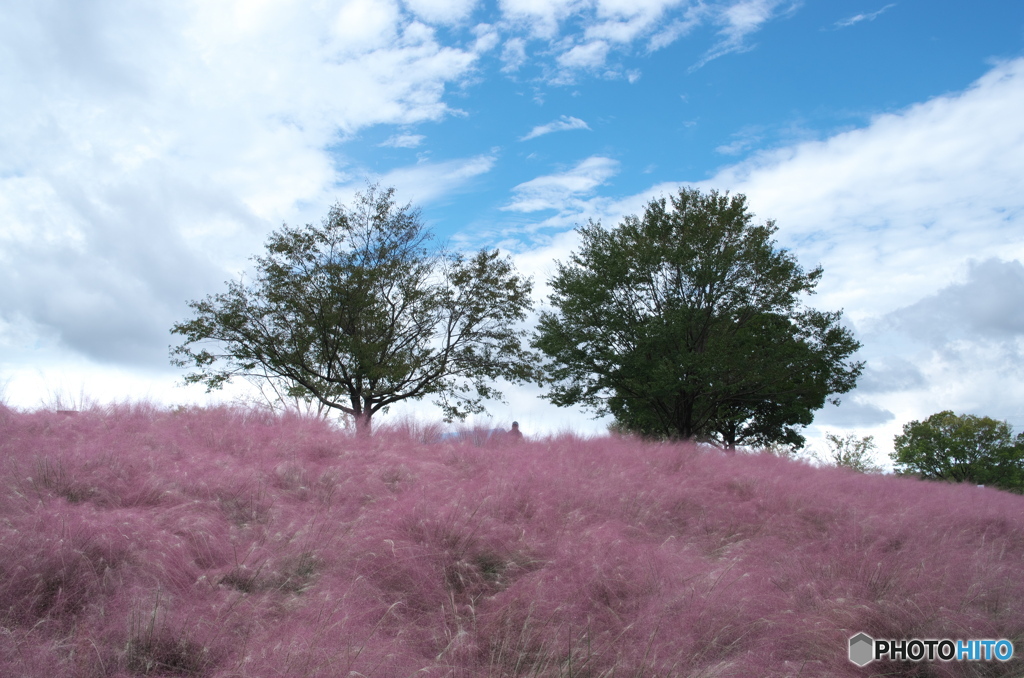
x: 624, y: 21
x: 617, y: 20
x: 541, y: 17
x: 939, y: 182
x: 564, y: 123
x: 487, y: 38
x: 442, y: 11
x: 364, y: 25
x: 989, y: 305
x: 742, y: 140
x: 554, y: 191
x: 146, y: 149
x: 857, y: 18
x: 588, y: 55
x: 738, y: 20
x: 675, y: 29
x: 403, y: 141
x: 513, y: 54
x: 960, y: 348
x: 425, y: 182
x: 595, y: 29
x: 899, y: 214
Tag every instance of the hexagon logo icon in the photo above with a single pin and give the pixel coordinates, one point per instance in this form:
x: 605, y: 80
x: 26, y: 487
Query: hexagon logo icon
x: 861, y: 649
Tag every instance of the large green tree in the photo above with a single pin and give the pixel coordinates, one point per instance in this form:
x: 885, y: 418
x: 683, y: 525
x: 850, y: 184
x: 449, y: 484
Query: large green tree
x: 961, y: 448
x: 362, y: 312
x: 688, y: 322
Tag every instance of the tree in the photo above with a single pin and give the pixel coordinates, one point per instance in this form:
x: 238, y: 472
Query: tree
x: 361, y: 312
x: 851, y: 452
x: 961, y: 448
x: 688, y: 324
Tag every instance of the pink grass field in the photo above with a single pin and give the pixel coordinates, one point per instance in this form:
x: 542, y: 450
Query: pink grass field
x: 225, y: 542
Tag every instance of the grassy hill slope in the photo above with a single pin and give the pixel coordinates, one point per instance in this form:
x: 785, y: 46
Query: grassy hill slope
x: 138, y: 541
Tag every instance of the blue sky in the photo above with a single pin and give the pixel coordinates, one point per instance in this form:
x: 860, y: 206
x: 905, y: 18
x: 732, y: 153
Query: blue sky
x: 146, y: 151
x: 808, y: 71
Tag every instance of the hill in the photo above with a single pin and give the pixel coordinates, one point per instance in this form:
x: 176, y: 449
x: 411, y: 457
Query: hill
x: 230, y: 543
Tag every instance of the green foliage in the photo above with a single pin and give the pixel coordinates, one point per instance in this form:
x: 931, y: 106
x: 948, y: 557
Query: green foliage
x: 962, y: 448
x: 687, y: 323
x: 851, y: 452
x: 360, y: 313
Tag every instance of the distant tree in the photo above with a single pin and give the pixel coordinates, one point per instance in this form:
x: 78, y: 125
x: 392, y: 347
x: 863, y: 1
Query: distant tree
x: 851, y: 452
x: 688, y: 323
x: 962, y: 448
x: 361, y: 312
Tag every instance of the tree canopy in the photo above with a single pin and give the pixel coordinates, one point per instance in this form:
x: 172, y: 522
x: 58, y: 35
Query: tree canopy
x: 689, y: 323
x: 961, y: 448
x: 361, y: 312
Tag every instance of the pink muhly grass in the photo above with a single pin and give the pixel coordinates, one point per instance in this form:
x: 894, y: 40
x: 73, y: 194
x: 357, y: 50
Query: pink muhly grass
x: 229, y: 542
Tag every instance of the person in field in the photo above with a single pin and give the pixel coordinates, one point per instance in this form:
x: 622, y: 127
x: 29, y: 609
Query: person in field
x: 514, y: 433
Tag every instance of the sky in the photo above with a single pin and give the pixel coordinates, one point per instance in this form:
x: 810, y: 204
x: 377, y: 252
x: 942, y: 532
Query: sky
x: 147, y: 150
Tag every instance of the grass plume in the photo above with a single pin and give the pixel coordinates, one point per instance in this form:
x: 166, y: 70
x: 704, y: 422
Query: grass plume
x: 228, y: 542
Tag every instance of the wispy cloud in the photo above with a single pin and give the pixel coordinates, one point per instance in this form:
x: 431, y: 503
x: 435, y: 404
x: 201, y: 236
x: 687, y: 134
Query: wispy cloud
x: 403, y: 141
x: 746, y: 138
x: 557, y: 191
x: 739, y: 20
x: 857, y: 18
x: 426, y: 181
x: 563, y: 124
x: 666, y: 34
x: 588, y: 33
x: 513, y: 55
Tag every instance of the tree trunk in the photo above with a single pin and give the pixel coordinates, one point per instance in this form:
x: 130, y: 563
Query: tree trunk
x: 729, y: 437
x: 361, y: 413
x: 363, y: 427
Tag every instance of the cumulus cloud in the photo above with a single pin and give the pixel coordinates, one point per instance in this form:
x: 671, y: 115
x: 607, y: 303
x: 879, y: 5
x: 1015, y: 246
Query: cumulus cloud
x: 564, y: 123
x: 988, y: 305
x: 153, y: 146
x: 487, y: 38
x: 890, y: 374
x: 898, y: 205
x: 365, y: 25
x: 916, y: 220
x: 852, y: 413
